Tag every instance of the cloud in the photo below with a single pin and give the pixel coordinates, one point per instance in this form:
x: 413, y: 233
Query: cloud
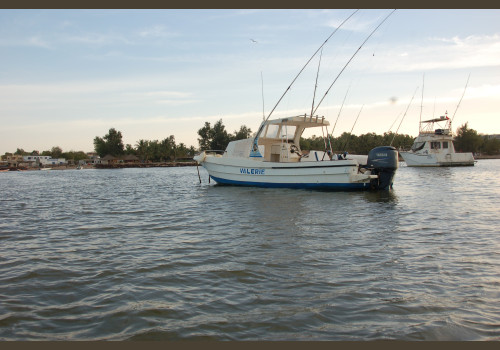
x: 96, y: 39
x: 156, y: 31
x: 441, y: 53
x: 31, y: 41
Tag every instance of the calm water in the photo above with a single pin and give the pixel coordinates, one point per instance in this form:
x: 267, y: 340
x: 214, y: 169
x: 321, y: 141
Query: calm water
x: 150, y: 254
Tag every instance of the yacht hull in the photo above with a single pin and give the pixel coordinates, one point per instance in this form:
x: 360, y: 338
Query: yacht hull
x: 437, y: 160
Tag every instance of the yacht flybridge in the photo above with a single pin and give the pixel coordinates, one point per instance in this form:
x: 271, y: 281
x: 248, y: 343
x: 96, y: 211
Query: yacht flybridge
x: 273, y: 158
x: 434, y: 146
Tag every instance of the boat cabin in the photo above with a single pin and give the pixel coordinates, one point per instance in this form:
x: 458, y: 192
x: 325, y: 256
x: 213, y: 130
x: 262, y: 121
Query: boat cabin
x: 279, y: 139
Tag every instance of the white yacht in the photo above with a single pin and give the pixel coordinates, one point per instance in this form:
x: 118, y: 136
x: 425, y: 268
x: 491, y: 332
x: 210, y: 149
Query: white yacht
x: 434, y: 146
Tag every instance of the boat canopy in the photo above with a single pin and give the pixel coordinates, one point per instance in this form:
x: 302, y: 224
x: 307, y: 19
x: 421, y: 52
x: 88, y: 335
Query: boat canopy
x: 301, y: 120
x: 290, y: 128
x: 436, y: 120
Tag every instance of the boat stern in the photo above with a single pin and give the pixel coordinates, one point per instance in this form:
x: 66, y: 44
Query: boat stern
x: 383, y: 162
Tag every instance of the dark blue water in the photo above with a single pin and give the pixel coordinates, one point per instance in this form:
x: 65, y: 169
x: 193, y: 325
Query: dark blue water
x: 150, y: 254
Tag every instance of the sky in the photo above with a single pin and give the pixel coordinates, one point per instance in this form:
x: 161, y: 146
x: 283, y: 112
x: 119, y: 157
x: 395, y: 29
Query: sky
x: 67, y: 76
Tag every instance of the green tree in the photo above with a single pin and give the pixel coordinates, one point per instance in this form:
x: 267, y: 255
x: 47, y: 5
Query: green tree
x: 111, y: 144
x: 220, y: 137
x: 215, y: 138
x: 490, y: 146
x: 205, y: 138
x: 169, y: 148
x: 129, y: 149
x: 141, y: 148
x: 467, y: 140
x: 75, y: 156
x: 20, y: 152
x: 242, y: 134
x: 56, y: 152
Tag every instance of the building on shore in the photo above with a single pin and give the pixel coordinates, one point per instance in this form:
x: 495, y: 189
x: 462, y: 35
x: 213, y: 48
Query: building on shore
x: 34, y: 160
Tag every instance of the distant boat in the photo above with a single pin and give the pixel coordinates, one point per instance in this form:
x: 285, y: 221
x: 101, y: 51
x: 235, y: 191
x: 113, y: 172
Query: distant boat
x: 45, y: 168
x: 434, y: 146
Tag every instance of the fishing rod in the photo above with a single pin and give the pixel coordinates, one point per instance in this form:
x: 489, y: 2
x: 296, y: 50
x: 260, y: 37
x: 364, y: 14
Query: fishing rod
x: 314, y: 96
x: 262, y: 87
x: 334, y: 125
x: 460, y: 99
x: 255, y: 147
x: 293, y: 81
x: 327, y: 91
x: 349, y: 137
x: 316, y: 84
x: 422, y: 100
x: 394, y: 122
x: 403, y: 117
x: 340, y: 111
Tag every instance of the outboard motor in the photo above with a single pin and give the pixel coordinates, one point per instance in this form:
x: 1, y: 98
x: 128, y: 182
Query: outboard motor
x: 383, y: 161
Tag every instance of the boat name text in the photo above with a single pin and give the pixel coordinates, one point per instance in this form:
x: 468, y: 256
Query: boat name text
x: 252, y: 171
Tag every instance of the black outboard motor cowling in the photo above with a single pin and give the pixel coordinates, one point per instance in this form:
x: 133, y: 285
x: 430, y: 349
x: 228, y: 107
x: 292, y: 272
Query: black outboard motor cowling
x: 383, y: 161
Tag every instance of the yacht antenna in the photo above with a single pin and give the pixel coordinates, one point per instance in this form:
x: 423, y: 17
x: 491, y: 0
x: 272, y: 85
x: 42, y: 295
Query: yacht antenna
x: 293, y: 81
x: 434, y: 110
x: 327, y: 91
x: 404, y: 115
x: 460, y: 100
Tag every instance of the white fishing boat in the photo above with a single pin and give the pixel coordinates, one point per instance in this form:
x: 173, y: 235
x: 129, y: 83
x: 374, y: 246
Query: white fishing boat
x: 273, y: 158
x: 434, y: 146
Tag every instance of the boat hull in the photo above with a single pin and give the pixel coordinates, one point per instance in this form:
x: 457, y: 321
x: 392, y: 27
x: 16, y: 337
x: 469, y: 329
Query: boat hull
x: 336, y: 175
x: 437, y: 160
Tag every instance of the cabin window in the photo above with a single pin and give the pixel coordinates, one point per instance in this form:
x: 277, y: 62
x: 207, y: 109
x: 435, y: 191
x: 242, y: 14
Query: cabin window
x: 417, y: 146
x: 288, y: 131
x: 272, y: 131
x: 445, y: 144
x: 435, y: 145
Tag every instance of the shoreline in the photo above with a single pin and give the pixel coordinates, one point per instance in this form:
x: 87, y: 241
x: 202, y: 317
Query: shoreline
x: 104, y: 166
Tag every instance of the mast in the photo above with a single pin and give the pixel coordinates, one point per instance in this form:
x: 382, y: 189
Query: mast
x: 421, y: 104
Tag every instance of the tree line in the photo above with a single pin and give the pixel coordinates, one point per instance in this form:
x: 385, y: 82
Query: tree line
x: 216, y: 137
x: 465, y: 140
x: 55, y: 152
x: 468, y: 140
x: 146, y: 150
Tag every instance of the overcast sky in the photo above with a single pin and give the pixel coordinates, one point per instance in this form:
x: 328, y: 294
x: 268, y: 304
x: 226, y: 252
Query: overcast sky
x: 67, y: 76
